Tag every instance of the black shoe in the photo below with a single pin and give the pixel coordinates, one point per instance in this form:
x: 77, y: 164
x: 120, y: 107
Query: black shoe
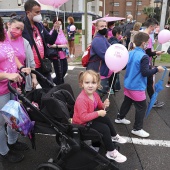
x: 18, y: 146
x: 12, y: 156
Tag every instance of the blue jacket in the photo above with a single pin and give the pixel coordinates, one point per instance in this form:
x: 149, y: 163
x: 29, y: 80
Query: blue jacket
x: 47, y: 38
x: 98, y: 48
x: 134, y: 80
x: 114, y: 40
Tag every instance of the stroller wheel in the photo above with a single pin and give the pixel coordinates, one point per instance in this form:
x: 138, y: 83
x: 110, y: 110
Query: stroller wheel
x: 48, y: 166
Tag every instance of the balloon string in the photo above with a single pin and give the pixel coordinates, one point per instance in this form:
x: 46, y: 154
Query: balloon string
x: 57, y: 12
x: 110, y: 88
x: 111, y: 85
x: 157, y: 47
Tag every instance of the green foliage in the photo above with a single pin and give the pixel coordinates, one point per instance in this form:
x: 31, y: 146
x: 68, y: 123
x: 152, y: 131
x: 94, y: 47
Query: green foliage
x: 165, y: 58
x: 149, y: 11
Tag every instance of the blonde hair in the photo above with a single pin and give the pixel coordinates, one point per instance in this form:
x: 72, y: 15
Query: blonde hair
x: 100, y: 20
x: 96, y: 77
x: 137, y: 26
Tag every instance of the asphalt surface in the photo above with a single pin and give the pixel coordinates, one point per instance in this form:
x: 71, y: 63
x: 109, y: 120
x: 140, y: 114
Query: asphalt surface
x: 139, y: 156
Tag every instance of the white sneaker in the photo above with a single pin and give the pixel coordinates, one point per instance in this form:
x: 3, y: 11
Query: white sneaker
x: 118, y: 139
x: 123, y: 121
x: 71, y: 56
x: 115, y: 155
x: 140, y: 133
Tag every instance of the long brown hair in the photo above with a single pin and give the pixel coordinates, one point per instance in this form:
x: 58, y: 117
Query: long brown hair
x: 2, y: 32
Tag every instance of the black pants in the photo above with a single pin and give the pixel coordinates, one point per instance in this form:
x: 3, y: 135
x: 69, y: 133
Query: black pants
x: 150, y: 89
x: 127, y: 42
x: 41, y: 82
x: 140, y: 107
x: 104, y: 126
x: 59, y: 79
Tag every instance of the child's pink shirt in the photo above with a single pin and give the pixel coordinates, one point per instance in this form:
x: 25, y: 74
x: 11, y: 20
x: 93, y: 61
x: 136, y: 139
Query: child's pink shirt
x: 7, y: 64
x: 135, y: 95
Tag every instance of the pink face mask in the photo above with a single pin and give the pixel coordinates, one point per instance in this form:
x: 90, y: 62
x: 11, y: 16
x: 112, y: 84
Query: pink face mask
x: 15, y: 33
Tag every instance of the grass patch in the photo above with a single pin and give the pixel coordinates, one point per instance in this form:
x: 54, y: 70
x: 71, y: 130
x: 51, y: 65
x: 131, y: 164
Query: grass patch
x: 165, y: 58
x: 78, y: 59
x: 77, y: 39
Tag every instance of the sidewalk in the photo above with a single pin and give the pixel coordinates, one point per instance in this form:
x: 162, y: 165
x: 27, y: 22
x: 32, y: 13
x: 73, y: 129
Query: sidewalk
x: 78, y: 52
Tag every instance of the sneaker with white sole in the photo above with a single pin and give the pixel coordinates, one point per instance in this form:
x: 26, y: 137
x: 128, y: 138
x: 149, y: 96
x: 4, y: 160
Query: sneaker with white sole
x: 116, y: 156
x: 118, y: 139
x: 122, y: 121
x: 140, y: 133
x: 168, y: 84
x: 158, y: 104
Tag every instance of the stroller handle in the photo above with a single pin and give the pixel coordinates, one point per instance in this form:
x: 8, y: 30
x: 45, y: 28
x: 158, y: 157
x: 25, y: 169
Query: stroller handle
x: 39, y: 75
x: 16, y: 93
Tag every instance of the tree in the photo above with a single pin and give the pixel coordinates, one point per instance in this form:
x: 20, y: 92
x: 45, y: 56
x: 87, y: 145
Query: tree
x: 149, y: 12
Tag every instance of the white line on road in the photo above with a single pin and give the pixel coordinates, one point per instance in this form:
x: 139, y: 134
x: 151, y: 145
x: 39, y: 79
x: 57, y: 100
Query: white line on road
x: 163, y: 143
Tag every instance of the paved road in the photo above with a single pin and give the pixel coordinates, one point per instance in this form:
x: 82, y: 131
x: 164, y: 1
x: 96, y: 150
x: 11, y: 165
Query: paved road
x: 153, y: 154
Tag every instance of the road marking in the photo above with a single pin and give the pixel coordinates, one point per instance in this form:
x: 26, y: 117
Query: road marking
x: 138, y: 141
x: 71, y: 67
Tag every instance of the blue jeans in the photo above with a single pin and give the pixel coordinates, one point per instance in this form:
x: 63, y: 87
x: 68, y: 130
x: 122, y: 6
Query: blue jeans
x: 12, y: 134
x: 59, y: 79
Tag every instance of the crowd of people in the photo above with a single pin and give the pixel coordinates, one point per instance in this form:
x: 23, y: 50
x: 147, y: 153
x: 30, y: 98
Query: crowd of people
x: 24, y: 43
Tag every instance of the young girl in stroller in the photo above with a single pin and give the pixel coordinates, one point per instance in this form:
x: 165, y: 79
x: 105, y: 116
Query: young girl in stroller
x: 89, y: 108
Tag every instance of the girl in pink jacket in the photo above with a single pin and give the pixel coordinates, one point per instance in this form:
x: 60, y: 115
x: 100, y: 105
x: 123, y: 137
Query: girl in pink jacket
x: 89, y: 108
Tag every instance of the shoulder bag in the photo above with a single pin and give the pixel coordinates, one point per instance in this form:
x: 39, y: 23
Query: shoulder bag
x: 45, y: 62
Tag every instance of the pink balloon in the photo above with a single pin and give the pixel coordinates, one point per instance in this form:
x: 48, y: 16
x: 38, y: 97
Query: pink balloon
x: 58, y: 3
x: 116, y: 57
x: 47, y: 2
x: 72, y: 28
x: 164, y: 36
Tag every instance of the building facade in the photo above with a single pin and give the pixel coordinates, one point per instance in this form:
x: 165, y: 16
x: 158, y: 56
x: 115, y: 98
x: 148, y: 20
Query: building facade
x: 121, y: 8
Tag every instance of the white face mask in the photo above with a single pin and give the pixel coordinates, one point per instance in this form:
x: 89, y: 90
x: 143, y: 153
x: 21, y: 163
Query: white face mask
x: 37, y: 18
x: 145, y: 46
x: 61, y: 27
x: 128, y: 20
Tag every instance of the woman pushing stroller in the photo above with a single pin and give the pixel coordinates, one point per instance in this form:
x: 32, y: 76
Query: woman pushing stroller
x: 89, y: 108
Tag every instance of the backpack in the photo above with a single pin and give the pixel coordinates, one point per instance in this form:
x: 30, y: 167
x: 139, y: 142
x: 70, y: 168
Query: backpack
x: 86, y: 57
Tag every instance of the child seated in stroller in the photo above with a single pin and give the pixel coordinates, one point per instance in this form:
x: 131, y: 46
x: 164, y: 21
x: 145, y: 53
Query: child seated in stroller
x: 89, y: 108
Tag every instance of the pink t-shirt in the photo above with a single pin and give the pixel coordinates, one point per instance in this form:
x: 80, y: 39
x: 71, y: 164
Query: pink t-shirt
x: 109, y: 74
x: 61, y: 40
x: 7, y: 64
x: 39, y: 42
x: 18, y: 46
x: 135, y: 95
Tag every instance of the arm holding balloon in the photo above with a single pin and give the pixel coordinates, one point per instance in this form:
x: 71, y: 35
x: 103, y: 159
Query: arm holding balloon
x: 146, y: 72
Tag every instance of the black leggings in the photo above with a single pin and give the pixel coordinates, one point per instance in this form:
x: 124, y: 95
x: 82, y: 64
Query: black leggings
x: 104, y: 126
x: 140, y: 107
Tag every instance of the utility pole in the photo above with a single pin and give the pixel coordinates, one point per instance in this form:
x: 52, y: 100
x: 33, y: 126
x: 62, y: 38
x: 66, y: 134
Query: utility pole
x: 163, y: 16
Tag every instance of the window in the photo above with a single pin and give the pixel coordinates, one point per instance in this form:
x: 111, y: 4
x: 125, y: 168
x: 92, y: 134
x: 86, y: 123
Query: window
x: 128, y: 3
x: 128, y: 12
x: 116, y: 4
x: 115, y: 13
x: 139, y: 3
x: 93, y: 8
x: 139, y: 13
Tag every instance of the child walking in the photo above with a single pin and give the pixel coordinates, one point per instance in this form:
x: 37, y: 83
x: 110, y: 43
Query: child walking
x: 89, y: 108
x: 135, y: 84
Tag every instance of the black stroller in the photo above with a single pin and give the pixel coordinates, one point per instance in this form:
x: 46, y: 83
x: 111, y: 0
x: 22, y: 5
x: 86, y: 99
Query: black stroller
x: 54, y: 117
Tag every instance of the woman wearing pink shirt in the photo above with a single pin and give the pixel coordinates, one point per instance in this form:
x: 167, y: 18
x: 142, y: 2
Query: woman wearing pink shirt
x: 61, y: 44
x: 8, y: 71
x: 22, y: 49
